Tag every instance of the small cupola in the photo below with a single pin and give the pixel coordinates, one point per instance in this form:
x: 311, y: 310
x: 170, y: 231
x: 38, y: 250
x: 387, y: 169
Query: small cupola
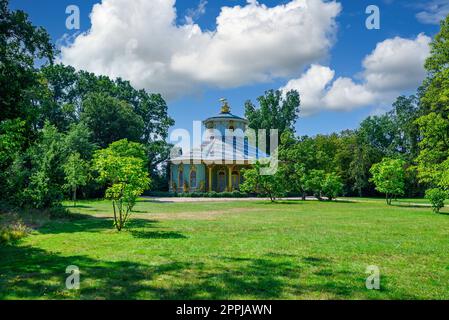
x: 225, y: 120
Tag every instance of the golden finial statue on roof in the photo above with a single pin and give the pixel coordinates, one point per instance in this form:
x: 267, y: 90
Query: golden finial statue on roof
x: 225, y: 106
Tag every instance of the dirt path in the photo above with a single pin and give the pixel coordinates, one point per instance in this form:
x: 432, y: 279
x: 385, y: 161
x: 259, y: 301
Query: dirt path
x: 180, y: 199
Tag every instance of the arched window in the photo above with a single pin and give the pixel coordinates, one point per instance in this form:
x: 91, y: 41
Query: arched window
x: 235, y: 179
x: 193, y: 179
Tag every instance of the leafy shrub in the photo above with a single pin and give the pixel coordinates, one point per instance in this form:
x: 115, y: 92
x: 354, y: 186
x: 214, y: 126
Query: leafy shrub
x: 389, y: 177
x: 259, y: 182
x: 239, y: 194
x: 122, y: 167
x: 13, y: 232
x: 314, y: 182
x: 160, y: 194
x: 332, y: 186
x: 58, y: 212
x: 436, y: 197
x: 226, y: 194
x: 212, y: 194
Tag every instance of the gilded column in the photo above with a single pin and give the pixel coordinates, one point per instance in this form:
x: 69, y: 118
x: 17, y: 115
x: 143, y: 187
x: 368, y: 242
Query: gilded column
x: 230, y: 178
x: 170, y: 187
x: 210, y: 178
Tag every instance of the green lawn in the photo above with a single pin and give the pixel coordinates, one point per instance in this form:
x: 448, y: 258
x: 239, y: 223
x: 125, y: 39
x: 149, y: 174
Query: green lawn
x: 399, y: 201
x: 234, y: 250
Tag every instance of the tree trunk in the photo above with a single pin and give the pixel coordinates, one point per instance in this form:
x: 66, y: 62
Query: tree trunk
x: 115, y: 215
x: 389, y: 198
x: 74, y: 197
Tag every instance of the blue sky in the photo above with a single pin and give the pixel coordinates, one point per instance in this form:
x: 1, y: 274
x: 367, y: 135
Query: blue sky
x: 352, y: 42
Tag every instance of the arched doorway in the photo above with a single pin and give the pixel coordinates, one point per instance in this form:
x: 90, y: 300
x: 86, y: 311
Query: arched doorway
x: 180, y: 177
x: 221, y: 181
x: 193, y: 179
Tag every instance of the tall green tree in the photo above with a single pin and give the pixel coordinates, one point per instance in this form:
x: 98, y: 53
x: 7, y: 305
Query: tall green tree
x: 123, y: 171
x: 76, y: 172
x: 12, y: 141
x: 255, y: 182
x: 46, y: 175
x: 275, y: 111
x: 60, y: 106
x: 297, y: 157
x: 434, y: 122
x: 350, y: 163
x: 406, y: 134
x: 389, y: 177
x: 314, y: 182
x: 332, y: 186
x: 111, y: 119
x: 21, y: 45
x: 78, y: 139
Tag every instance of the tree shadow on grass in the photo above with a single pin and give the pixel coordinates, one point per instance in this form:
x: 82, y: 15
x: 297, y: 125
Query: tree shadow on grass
x: 281, y: 202
x: 143, y: 234
x: 33, y: 273
x: 343, y: 201
x: 271, y: 278
x: 233, y: 279
x: 147, y: 200
x: 78, y: 206
x: 87, y: 223
x: 289, y: 202
x: 411, y: 205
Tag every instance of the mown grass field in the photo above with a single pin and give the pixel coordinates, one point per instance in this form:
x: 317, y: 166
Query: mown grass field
x: 234, y: 250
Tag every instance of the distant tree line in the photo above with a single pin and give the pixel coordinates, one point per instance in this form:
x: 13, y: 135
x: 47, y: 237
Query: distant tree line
x: 402, y: 152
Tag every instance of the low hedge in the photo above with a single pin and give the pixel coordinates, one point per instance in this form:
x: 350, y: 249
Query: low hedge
x: 212, y: 194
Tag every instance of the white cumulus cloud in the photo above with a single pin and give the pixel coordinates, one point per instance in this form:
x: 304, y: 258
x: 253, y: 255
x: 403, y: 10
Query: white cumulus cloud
x: 433, y: 11
x: 395, y: 66
x: 140, y: 41
x: 397, y: 63
x: 344, y: 94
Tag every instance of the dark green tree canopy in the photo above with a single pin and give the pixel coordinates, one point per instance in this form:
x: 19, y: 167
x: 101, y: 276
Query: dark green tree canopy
x: 21, y: 45
x: 434, y: 120
x: 439, y: 53
x: 111, y: 119
x: 275, y: 111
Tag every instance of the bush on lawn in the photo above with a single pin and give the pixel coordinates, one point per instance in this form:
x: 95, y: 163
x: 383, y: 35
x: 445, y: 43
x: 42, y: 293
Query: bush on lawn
x: 58, y: 211
x: 436, y: 197
x: 13, y: 232
x: 332, y: 186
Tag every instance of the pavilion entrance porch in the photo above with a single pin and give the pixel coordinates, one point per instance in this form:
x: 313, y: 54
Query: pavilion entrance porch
x: 224, y: 178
